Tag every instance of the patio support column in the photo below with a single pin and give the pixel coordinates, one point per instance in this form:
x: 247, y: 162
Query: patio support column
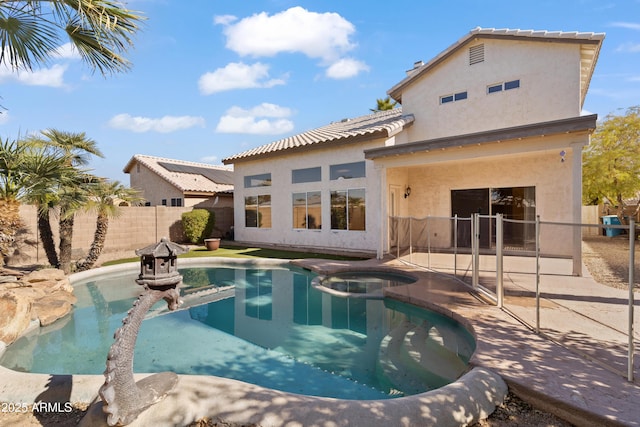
x: 383, y: 216
x: 576, y: 206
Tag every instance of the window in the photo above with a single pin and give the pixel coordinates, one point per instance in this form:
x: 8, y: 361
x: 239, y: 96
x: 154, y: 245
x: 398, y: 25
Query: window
x: 348, y: 209
x: 446, y: 99
x: 258, y: 301
x: 176, y: 202
x: 307, y: 210
x: 262, y: 180
x: 347, y: 171
x: 494, y: 88
x: 306, y: 175
x: 514, y: 84
x: 455, y: 97
x: 164, y: 202
x: 257, y: 211
x: 499, y: 87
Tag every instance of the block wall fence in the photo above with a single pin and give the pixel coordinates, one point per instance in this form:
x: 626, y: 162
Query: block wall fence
x: 134, y: 228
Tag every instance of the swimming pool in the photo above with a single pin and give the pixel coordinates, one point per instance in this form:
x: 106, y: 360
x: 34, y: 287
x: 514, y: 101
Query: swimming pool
x: 270, y: 328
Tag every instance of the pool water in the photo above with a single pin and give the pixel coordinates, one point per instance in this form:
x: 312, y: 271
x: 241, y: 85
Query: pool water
x: 271, y: 328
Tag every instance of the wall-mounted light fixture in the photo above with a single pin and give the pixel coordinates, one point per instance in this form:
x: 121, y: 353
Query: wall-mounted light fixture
x: 407, y: 192
x: 562, y: 154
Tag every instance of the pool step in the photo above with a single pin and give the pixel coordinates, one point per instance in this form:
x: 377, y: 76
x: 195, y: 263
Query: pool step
x: 412, y: 360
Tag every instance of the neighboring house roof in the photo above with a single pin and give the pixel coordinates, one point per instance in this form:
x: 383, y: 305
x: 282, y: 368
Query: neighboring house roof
x: 589, y: 51
x: 383, y: 124
x: 188, y: 177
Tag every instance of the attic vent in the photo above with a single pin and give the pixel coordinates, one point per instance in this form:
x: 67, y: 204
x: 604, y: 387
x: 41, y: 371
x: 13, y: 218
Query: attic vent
x: 476, y: 54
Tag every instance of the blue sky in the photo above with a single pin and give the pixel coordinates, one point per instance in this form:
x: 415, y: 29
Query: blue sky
x: 212, y: 78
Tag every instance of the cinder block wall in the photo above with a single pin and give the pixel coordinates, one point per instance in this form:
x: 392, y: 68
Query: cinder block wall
x: 134, y: 228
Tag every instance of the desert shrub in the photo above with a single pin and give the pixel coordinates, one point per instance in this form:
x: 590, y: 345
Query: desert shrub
x: 198, y: 224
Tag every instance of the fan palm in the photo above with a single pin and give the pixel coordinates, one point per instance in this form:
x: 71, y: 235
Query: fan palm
x: 11, y: 185
x: 384, y: 104
x: 100, y: 30
x: 103, y: 202
x: 70, y: 195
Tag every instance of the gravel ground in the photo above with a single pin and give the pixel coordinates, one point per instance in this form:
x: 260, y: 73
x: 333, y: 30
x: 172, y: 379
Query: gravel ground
x: 607, y: 260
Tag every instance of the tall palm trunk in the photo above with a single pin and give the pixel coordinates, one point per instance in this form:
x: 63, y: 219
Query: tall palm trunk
x: 66, y: 236
x: 10, y: 223
x: 46, y: 237
x: 99, y: 237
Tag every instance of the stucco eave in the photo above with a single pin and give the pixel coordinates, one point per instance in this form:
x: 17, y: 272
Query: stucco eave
x: 574, y: 124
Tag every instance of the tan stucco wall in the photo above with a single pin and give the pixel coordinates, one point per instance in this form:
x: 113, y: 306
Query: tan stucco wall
x: 538, y: 99
x: 153, y: 188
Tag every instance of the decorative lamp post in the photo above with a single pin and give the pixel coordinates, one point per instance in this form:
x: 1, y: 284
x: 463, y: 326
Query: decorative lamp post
x: 123, y: 398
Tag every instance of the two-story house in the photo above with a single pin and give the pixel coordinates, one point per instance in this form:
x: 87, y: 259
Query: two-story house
x: 491, y: 125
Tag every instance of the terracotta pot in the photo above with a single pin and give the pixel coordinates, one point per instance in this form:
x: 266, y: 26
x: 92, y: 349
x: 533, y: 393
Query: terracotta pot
x: 212, y: 244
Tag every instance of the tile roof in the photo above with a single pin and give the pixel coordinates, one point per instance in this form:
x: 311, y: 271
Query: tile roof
x: 187, y: 176
x: 380, y: 124
x: 589, y: 51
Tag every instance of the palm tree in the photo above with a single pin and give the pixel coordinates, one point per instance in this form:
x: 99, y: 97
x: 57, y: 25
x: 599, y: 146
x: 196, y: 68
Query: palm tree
x: 45, y: 172
x: 384, y: 104
x: 103, y: 202
x: 70, y: 195
x: 11, y: 184
x: 100, y: 30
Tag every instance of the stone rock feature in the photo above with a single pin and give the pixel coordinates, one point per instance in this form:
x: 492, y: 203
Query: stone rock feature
x: 45, y: 295
x: 15, y: 316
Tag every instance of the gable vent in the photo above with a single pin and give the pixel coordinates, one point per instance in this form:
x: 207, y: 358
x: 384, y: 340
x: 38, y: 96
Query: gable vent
x: 476, y: 54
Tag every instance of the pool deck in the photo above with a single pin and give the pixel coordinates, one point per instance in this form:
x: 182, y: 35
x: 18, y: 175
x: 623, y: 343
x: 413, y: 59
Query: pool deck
x: 540, y: 371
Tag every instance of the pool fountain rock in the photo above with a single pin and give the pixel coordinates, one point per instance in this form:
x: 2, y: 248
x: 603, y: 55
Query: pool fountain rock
x: 37, y: 298
x: 123, y: 399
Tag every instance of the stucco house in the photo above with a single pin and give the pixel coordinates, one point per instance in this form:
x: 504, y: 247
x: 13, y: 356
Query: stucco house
x: 494, y: 118
x: 170, y: 182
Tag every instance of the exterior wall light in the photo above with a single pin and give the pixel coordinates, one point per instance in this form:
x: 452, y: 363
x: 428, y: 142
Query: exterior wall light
x: 407, y: 192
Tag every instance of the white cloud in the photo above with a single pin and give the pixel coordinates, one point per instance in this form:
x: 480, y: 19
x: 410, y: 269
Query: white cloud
x: 53, y: 77
x: 263, y: 110
x: 629, y: 47
x: 164, y: 124
x: 346, y: 68
x: 237, y: 75
x: 317, y: 35
x: 67, y: 51
x: 627, y: 25
x: 224, y: 19
x: 209, y: 159
x: 263, y: 119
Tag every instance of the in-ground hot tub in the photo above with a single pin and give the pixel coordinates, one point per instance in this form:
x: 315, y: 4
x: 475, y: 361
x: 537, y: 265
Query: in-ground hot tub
x: 361, y: 284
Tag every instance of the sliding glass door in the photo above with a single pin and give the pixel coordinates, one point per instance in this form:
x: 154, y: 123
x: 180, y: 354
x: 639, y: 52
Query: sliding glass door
x: 514, y: 203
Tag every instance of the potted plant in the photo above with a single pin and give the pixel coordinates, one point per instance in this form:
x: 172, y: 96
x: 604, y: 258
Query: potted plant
x: 212, y: 244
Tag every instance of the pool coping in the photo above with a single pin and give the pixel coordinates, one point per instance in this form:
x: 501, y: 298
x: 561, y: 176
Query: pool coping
x: 471, y: 398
